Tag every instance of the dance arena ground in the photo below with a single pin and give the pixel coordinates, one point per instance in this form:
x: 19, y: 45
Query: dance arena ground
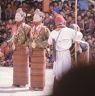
x: 6, y: 88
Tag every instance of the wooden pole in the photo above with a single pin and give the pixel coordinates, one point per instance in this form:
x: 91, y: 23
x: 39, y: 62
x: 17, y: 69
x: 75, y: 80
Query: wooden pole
x: 76, y: 32
x: 76, y: 3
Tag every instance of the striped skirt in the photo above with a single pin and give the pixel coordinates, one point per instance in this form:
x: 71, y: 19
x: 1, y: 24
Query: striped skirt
x: 37, y: 80
x: 20, y: 66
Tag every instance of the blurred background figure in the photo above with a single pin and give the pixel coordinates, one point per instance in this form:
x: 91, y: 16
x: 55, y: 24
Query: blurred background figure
x: 79, y: 81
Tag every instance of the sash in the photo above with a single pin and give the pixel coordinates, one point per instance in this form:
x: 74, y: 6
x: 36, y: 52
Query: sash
x: 54, y: 47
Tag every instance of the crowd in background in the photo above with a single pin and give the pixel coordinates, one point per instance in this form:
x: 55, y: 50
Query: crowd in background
x: 8, y: 9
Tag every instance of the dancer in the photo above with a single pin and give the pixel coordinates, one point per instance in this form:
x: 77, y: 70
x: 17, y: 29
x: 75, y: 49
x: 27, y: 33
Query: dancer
x: 40, y: 34
x: 61, y: 38
x: 21, y: 35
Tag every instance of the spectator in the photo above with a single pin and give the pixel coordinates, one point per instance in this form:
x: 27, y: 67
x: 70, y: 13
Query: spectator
x: 62, y: 13
x: 91, y: 25
x: 83, y: 4
x: 0, y: 12
x: 14, y: 7
x: 80, y: 23
x: 49, y: 21
x: 56, y: 7
x: 23, y: 9
x: 8, y: 12
x: 3, y: 7
x: 69, y: 20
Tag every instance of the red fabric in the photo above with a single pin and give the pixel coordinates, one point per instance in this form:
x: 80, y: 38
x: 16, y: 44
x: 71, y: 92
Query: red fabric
x: 59, y: 20
x: 20, y: 66
x: 37, y: 77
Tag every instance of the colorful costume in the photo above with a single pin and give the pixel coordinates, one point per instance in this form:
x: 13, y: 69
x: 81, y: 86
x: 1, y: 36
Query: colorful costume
x: 21, y: 55
x: 2, y: 62
x: 40, y: 35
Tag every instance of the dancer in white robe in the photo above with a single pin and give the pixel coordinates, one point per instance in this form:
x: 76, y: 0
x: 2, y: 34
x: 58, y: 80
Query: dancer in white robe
x: 62, y: 38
